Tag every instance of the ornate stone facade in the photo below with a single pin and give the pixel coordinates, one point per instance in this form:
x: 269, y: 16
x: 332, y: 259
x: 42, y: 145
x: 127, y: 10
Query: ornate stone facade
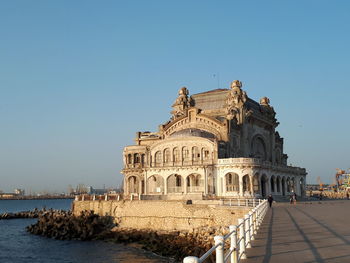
x: 218, y: 143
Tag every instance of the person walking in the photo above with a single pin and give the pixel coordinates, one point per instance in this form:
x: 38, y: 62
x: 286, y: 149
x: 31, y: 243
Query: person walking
x: 270, y: 200
x: 294, y: 198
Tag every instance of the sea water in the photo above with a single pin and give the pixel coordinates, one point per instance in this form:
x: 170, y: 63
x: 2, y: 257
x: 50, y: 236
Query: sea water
x: 17, y: 245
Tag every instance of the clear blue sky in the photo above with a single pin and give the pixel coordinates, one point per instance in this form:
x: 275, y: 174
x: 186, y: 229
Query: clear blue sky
x: 79, y: 78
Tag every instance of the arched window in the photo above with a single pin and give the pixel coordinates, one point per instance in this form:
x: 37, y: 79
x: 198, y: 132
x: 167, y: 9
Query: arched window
x: 185, y: 154
x: 205, y: 154
x: 158, y: 158
x: 195, y: 154
x: 258, y: 149
x: 129, y: 158
x: 166, y: 155
x: 136, y: 158
x: 176, y: 155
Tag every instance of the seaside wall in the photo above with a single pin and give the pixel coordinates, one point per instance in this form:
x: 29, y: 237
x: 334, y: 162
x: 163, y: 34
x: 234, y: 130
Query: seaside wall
x: 163, y: 215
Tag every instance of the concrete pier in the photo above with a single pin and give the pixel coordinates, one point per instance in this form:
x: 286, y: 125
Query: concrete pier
x: 305, y: 232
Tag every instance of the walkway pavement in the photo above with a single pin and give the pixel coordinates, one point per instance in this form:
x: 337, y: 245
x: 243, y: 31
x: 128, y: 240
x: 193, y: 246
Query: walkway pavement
x: 306, y: 232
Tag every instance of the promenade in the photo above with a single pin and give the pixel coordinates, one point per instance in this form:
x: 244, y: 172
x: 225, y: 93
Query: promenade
x: 305, y: 232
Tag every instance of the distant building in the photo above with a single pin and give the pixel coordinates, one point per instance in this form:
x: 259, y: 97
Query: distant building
x: 218, y: 143
x: 20, y: 192
x: 93, y: 191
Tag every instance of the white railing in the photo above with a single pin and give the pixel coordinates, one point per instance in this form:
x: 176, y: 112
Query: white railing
x: 252, y: 202
x: 240, y: 237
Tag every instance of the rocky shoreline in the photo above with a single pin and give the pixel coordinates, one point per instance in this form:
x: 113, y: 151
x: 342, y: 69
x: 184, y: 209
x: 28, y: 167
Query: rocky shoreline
x: 23, y: 214
x: 89, y: 226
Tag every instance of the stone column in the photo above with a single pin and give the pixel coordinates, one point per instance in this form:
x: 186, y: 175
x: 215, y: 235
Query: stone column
x: 221, y: 185
x: 259, y: 182
x: 268, y: 185
x: 126, y: 187
x: 240, y: 179
x: 165, y: 186
x: 251, y: 177
x: 297, y: 185
x: 140, y: 186
x: 184, y: 185
x: 205, y: 181
x: 146, y: 185
x: 280, y: 185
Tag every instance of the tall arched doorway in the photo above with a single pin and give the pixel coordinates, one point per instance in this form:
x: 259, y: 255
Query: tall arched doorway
x: 272, y: 182
x: 256, y: 187
x: 155, y: 184
x: 283, y: 186
x: 278, y: 183
x: 132, y: 185
x: 246, y: 184
x: 194, y: 183
x: 264, y: 181
x: 232, y: 182
x: 175, y: 184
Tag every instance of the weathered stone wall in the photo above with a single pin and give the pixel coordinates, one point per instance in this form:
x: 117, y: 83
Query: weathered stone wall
x: 163, y: 215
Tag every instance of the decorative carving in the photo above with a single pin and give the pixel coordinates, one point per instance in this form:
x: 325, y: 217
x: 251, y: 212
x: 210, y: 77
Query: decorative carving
x: 235, y: 101
x: 181, y: 104
x: 266, y: 108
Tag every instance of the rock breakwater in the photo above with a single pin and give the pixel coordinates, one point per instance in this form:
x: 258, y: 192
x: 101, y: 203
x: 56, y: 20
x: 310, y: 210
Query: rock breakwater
x: 23, y: 214
x: 89, y: 226
x: 63, y: 225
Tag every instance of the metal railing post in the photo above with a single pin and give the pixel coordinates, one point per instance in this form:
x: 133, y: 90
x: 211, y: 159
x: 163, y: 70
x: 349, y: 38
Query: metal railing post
x: 242, y: 237
x: 219, y: 240
x: 254, y: 202
x: 247, y: 231
x: 251, y: 226
x: 254, y: 221
x: 258, y: 217
x: 234, y: 254
x: 191, y: 260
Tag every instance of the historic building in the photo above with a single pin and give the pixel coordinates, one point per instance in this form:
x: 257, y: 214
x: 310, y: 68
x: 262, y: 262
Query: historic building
x: 218, y: 143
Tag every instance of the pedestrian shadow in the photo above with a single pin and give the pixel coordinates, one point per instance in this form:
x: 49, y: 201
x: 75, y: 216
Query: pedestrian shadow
x: 313, y: 249
x: 342, y: 238
x: 268, y: 250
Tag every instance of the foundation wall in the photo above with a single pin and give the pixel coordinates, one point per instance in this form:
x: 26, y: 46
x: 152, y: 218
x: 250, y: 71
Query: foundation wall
x: 163, y: 215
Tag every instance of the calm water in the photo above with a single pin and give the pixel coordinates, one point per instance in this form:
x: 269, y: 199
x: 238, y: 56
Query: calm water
x: 16, y: 245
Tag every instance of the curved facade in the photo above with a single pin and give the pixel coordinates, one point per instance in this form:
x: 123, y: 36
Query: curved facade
x: 218, y: 143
